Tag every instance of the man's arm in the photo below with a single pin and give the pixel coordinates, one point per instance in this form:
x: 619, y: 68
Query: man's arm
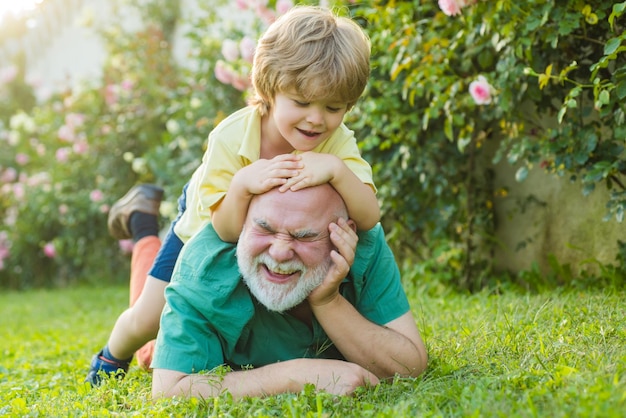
x: 334, y: 376
x: 395, y: 348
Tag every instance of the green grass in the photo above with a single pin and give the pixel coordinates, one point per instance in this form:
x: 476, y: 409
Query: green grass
x: 561, y: 353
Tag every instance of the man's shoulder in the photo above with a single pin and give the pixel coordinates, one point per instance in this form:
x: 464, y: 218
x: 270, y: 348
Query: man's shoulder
x: 371, y: 237
x: 370, y: 244
x: 204, y: 247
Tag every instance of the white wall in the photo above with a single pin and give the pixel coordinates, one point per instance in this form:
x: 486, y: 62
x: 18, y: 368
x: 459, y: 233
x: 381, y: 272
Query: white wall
x: 72, y: 52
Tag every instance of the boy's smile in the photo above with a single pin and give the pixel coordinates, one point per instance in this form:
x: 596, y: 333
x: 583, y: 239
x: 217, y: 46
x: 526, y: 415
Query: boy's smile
x: 304, y: 125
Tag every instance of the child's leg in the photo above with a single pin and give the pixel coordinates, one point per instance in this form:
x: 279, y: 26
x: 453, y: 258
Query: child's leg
x: 139, y: 323
x: 144, y: 253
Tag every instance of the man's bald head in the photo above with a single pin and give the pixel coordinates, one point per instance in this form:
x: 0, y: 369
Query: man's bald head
x: 317, y: 202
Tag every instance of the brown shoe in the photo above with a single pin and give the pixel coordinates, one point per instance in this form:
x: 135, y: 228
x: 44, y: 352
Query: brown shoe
x: 145, y: 198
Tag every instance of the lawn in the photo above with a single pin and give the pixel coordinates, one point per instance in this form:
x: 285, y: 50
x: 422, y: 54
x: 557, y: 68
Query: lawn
x: 559, y: 353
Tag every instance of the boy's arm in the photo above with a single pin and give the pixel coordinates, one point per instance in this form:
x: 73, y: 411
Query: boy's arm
x: 359, y: 197
x: 228, y: 216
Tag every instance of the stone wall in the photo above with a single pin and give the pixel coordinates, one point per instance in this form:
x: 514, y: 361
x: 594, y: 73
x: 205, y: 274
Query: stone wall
x: 546, y: 215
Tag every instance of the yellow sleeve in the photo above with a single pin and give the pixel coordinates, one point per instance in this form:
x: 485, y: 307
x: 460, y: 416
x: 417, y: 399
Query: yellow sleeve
x: 208, y: 186
x: 231, y: 146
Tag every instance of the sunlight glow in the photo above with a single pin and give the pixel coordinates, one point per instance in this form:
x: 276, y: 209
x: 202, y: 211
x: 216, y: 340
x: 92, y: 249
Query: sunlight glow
x: 17, y: 7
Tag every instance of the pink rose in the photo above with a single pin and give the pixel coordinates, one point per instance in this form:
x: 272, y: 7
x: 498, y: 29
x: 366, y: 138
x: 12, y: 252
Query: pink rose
x: 222, y: 73
x: 96, y: 195
x: 22, y: 159
x: 265, y: 14
x: 49, y: 250
x: 127, y: 85
x: 66, y: 133
x: 246, y: 48
x: 19, y: 192
x: 481, y: 91
x: 80, y: 147
x: 241, y: 83
x: 111, y: 94
x: 283, y: 6
x: 126, y: 245
x: 62, y: 154
x: 451, y: 7
x: 9, y: 175
x: 74, y: 119
x: 230, y: 50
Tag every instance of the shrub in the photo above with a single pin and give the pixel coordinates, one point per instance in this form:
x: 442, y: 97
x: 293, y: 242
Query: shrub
x: 66, y: 160
x: 541, y: 82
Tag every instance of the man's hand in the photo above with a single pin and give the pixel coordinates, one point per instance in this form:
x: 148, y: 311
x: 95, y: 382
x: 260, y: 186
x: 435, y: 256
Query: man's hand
x: 317, y: 169
x: 344, y: 238
x: 337, y: 377
x: 263, y: 175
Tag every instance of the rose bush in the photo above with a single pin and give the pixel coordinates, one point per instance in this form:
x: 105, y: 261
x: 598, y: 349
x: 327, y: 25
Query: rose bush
x: 65, y: 161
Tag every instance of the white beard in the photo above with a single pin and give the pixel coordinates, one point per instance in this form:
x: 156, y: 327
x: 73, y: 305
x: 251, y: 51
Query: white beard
x: 274, y: 296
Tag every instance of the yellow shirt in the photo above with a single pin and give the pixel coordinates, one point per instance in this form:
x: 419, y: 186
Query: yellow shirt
x: 236, y: 143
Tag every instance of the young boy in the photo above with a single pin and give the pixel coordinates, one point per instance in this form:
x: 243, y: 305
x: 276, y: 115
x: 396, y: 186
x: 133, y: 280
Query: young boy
x: 310, y: 68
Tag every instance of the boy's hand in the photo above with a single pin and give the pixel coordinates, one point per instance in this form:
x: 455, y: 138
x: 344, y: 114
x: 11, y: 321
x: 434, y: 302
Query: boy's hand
x: 317, y: 169
x: 263, y: 175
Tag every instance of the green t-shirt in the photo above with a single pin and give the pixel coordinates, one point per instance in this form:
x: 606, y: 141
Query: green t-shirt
x: 211, y: 318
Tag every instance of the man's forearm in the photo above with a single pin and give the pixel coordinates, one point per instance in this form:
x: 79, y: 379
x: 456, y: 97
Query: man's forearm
x: 382, y: 350
x: 333, y: 376
x: 254, y: 382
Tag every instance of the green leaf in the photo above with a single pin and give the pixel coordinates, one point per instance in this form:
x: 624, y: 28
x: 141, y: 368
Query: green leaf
x: 611, y: 46
x: 561, y: 114
x: 463, y: 142
x: 621, y: 89
x: 521, y: 174
x: 588, y: 188
x: 618, y: 9
x: 604, y: 97
x: 447, y: 129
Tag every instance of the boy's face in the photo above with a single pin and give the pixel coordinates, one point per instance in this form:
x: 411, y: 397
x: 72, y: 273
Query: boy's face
x: 305, y: 125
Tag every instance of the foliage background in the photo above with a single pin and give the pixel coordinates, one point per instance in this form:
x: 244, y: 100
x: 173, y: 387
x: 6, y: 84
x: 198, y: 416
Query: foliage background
x: 558, y: 73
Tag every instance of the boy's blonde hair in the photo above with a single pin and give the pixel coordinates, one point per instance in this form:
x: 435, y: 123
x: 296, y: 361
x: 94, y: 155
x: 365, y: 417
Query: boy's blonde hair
x: 313, y: 52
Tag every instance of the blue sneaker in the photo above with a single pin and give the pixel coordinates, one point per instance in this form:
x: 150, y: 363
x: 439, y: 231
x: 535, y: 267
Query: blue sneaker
x: 107, y: 366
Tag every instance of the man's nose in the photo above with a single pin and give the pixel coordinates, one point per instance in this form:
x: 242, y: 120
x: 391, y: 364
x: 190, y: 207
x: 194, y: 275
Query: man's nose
x: 281, y: 250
